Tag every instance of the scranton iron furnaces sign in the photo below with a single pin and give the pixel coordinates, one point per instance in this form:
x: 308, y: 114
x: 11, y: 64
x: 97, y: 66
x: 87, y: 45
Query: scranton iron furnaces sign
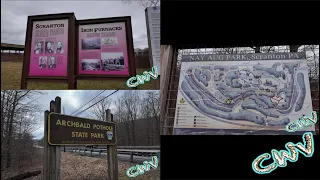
x: 69, y: 130
x: 242, y: 93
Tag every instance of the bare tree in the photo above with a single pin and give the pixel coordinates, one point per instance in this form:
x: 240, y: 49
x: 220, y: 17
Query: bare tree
x: 121, y: 117
x: 144, y: 3
x: 118, y: 111
x: 98, y: 111
x: 150, y: 109
x: 19, y: 110
x: 131, y: 100
x: 146, y: 112
x: 136, y: 114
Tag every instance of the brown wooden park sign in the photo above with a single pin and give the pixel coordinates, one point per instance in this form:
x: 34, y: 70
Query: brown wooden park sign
x: 61, y: 129
x: 70, y: 130
x: 61, y: 49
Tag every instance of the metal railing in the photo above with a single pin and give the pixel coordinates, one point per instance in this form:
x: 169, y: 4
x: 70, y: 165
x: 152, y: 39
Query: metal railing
x: 138, y: 151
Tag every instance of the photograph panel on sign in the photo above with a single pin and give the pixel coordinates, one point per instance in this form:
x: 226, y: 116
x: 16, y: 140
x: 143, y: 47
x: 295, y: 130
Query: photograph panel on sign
x: 39, y: 47
x: 90, y: 64
x: 112, y: 61
x: 52, y: 62
x: 42, y: 62
x: 85, y: 125
x: 90, y: 43
x: 59, y: 47
x: 73, y: 42
x: 49, y: 48
x: 109, y: 41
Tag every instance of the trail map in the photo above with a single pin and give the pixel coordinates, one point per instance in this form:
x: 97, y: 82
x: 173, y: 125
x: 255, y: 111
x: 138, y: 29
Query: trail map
x: 245, y: 95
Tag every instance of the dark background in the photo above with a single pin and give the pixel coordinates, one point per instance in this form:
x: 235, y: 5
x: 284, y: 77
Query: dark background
x: 200, y: 24
x: 197, y: 157
x: 239, y: 23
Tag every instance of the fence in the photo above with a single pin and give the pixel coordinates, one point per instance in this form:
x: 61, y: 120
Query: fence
x: 146, y: 151
x: 168, y: 113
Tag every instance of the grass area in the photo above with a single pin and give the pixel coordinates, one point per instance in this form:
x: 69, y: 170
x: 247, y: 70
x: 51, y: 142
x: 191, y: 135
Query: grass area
x: 74, y: 167
x: 11, y: 79
x: 90, y: 168
x: 83, y: 167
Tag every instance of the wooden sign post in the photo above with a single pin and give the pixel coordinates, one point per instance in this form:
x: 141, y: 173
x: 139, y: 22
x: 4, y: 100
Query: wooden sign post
x: 112, y: 154
x: 52, y: 154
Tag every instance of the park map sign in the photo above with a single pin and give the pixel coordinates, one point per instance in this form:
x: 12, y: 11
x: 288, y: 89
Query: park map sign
x: 242, y: 93
x: 70, y: 130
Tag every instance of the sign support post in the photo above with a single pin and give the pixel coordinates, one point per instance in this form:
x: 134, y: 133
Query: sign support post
x: 112, y: 153
x: 52, y: 154
x: 153, y: 41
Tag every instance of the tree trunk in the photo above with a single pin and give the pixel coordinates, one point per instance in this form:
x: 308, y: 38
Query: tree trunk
x: 20, y: 132
x: 2, y: 114
x: 157, y: 128
x: 133, y: 133
x: 148, y: 134
x: 257, y: 49
x: 128, y: 134
x: 294, y: 48
x: 10, y: 130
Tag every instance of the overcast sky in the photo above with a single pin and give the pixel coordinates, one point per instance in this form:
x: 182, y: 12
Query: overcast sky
x: 14, y: 15
x: 71, y: 100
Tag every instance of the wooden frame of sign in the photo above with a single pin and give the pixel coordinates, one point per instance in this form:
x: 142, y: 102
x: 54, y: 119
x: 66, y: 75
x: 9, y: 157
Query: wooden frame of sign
x: 69, y: 73
x: 129, y: 48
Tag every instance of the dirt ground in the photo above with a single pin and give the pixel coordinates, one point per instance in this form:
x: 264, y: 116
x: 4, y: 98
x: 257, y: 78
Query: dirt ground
x: 33, y: 162
x: 11, y: 79
x: 75, y: 167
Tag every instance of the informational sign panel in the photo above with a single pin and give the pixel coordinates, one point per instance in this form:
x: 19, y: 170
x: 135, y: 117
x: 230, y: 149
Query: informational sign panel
x: 242, y: 94
x: 69, y: 130
x: 153, y: 23
x: 103, y: 49
x: 49, y: 48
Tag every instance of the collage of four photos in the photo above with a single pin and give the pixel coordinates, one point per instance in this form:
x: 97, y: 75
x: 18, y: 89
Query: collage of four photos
x: 91, y: 94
